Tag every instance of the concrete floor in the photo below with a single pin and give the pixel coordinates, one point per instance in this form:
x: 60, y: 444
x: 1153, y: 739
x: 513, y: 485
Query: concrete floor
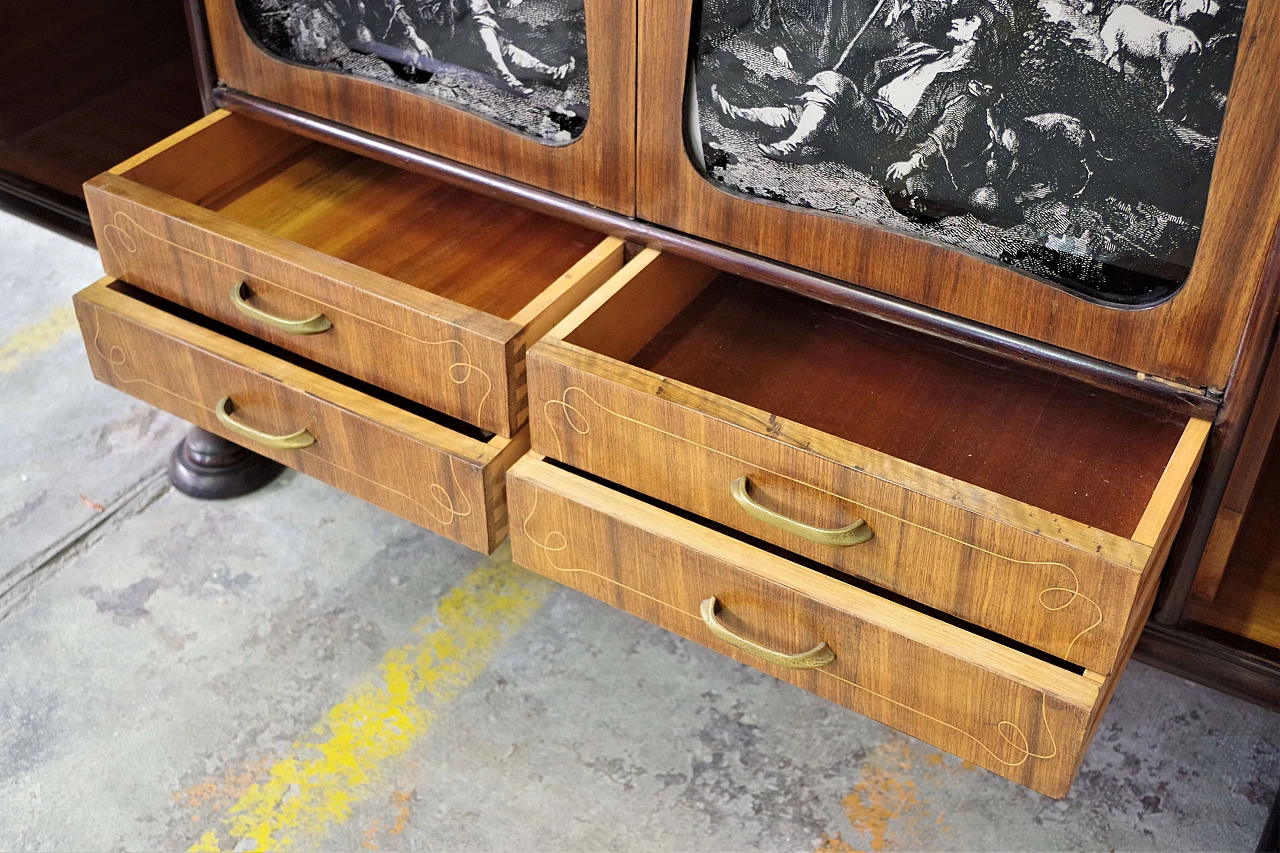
x: 299, y: 669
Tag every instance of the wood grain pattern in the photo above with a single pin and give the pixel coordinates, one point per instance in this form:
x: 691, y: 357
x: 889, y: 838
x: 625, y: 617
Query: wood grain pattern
x: 906, y: 395
x: 402, y: 265
x: 1018, y: 716
x: 1230, y: 425
x: 567, y: 292
x: 1192, y: 338
x: 1046, y: 581
x: 1217, y: 553
x: 980, y: 338
x: 420, y: 470
x: 597, y: 168
x: 1247, y: 602
x: 1003, y: 562
x: 1258, y: 437
x: 624, y: 316
x: 1214, y: 658
x: 955, y: 329
x: 1138, y: 617
x: 1175, y: 484
x: 229, y: 151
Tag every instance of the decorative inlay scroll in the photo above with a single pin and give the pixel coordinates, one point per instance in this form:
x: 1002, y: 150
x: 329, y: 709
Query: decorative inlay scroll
x: 577, y: 421
x: 116, y: 360
x: 1011, y: 734
x: 122, y: 236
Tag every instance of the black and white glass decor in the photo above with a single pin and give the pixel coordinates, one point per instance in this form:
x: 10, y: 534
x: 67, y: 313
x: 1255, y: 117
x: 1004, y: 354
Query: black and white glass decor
x: 521, y: 63
x: 1072, y: 140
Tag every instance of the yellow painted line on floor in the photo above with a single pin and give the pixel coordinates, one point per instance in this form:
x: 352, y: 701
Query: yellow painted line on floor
x: 34, y: 339
x: 338, y: 765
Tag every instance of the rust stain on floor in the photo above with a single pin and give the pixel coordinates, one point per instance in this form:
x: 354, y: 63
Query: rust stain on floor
x: 890, y: 806
x: 833, y: 844
x: 218, y: 793
x: 393, y: 820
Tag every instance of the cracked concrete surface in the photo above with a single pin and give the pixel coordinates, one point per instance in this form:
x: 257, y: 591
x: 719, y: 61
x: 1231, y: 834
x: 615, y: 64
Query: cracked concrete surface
x: 161, y: 661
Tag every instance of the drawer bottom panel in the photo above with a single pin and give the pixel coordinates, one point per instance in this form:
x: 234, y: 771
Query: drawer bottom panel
x: 1025, y: 718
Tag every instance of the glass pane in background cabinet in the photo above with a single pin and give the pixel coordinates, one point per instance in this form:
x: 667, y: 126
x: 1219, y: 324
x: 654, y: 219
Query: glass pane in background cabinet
x: 1072, y: 140
x: 522, y: 63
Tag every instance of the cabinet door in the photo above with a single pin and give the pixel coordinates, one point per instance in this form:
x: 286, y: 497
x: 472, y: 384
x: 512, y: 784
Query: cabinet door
x: 542, y: 91
x: 1062, y: 169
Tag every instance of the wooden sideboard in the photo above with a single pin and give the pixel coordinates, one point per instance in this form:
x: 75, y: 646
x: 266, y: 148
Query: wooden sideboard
x: 927, y: 483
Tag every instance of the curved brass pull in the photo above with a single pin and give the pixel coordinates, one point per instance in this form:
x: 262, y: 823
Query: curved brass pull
x: 294, y: 441
x: 819, y: 655
x: 310, y: 326
x: 843, y: 537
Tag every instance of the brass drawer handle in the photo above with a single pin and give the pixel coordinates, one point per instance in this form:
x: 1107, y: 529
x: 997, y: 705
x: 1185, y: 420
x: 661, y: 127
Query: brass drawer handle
x: 310, y: 326
x: 294, y: 441
x: 819, y: 655
x: 854, y: 534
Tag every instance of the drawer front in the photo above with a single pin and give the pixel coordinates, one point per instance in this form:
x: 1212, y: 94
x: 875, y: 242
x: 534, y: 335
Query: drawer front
x: 953, y: 556
x: 424, y: 472
x: 1020, y: 717
x: 415, y: 344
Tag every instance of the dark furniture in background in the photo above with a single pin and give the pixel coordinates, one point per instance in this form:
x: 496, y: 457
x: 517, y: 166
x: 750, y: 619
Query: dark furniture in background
x: 83, y: 85
x: 1219, y: 622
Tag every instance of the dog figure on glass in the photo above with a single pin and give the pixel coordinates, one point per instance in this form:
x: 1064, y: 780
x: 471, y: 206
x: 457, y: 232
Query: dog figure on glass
x: 990, y: 106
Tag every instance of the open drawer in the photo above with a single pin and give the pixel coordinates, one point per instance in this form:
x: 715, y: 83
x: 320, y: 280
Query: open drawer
x: 416, y: 286
x: 433, y: 470
x: 1021, y: 502
x: 1023, y: 716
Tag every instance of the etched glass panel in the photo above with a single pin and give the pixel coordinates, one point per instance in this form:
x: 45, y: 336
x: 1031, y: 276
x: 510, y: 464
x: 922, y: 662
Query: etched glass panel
x: 1072, y: 140
x: 522, y: 63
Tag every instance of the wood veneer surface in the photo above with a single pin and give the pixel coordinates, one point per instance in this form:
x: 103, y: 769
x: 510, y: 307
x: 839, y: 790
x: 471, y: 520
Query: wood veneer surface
x: 1193, y: 338
x: 1248, y: 600
x: 57, y: 55
x: 477, y: 251
x: 598, y: 168
x: 1091, y: 457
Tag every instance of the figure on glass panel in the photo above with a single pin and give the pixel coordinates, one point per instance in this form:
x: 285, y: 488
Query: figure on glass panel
x: 475, y: 21
x: 1071, y: 139
x: 484, y: 55
x: 918, y: 107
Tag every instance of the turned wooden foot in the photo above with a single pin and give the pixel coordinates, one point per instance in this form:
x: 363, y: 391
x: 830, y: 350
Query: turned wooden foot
x: 209, y: 467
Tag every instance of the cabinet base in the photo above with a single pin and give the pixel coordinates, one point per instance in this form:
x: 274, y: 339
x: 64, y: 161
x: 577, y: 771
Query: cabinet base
x: 1216, y: 659
x: 209, y: 467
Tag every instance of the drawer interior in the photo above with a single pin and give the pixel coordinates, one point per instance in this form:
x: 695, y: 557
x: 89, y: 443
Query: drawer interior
x: 474, y: 250
x: 1074, y: 450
